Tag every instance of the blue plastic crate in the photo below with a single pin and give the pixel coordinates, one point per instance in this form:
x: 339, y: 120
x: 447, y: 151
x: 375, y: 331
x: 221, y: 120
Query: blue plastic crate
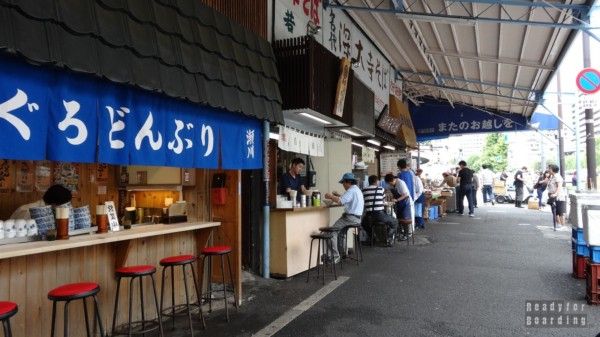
x: 583, y: 250
x: 577, y: 234
x: 432, y: 213
x: 595, y: 254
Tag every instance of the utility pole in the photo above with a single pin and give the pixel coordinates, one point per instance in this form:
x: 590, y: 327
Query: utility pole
x: 561, y: 141
x: 590, y: 145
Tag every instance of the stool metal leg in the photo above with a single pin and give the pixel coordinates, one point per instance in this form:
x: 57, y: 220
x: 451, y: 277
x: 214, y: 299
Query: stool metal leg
x: 232, y: 284
x: 142, y: 305
x: 319, y: 262
x: 66, y: 315
x: 198, y: 296
x: 309, y: 260
x: 158, y: 309
x: 7, y: 329
x: 87, y: 320
x: 173, y: 296
x: 210, y: 283
x: 129, y: 331
x: 187, y: 300
x: 97, y: 310
x: 114, y: 322
x: 224, y: 287
x: 162, y: 291
x: 53, y: 318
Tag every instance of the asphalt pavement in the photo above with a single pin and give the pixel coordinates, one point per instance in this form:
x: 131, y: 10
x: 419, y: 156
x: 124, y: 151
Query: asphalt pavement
x: 464, y: 277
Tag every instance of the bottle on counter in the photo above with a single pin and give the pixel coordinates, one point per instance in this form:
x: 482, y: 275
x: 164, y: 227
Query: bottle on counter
x: 316, y: 199
x: 302, y: 201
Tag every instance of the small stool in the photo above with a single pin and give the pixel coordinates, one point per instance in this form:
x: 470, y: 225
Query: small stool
x: 219, y: 251
x: 323, y: 240
x: 333, y: 230
x: 7, y: 310
x: 172, y: 262
x: 75, y: 291
x: 132, y: 273
x: 357, y: 245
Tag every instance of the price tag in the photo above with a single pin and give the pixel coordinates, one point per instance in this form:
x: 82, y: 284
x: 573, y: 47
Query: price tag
x: 113, y: 219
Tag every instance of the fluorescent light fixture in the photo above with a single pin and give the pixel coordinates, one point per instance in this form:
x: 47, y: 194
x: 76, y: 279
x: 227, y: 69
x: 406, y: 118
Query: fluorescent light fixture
x: 315, y: 118
x: 373, y: 148
x: 357, y: 144
x: 273, y: 135
x: 374, y: 142
x: 350, y: 132
x: 436, y: 18
x: 390, y: 147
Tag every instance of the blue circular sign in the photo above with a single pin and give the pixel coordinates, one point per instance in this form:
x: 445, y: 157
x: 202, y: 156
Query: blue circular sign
x: 588, y: 80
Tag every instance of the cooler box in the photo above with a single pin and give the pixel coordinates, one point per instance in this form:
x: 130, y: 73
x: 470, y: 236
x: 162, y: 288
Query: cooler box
x: 576, y: 201
x: 591, y: 224
x: 533, y: 203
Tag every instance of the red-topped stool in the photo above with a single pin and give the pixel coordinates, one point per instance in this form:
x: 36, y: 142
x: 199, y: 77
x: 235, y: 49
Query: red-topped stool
x: 172, y: 262
x: 218, y: 251
x: 143, y: 326
x: 7, y: 310
x: 75, y: 291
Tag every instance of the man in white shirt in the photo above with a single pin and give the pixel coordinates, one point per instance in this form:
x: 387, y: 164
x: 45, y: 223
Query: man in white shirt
x: 354, y: 204
x: 487, y: 180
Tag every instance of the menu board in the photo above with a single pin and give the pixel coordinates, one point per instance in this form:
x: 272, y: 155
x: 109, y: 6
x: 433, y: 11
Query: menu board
x: 25, y: 176
x: 389, y: 162
x: 43, y: 176
x: 6, y: 179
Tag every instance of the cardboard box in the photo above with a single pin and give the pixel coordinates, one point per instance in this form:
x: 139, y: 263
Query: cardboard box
x: 533, y: 203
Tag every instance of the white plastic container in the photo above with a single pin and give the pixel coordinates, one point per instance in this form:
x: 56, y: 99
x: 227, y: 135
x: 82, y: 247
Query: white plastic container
x: 591, y: 224
x: 577, y: 200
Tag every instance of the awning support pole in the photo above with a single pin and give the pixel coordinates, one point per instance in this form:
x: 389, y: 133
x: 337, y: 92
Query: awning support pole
x: 266, y: 208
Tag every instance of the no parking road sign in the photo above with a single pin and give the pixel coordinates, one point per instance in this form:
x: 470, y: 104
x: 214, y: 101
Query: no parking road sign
x: 588, y: 80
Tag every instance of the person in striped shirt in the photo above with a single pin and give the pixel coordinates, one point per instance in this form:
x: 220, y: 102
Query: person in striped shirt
x: 375, y: 212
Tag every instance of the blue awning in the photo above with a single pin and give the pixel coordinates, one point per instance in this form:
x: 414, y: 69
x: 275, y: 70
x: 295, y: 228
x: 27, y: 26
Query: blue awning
x: 57, y: 115
x: 434, y: 120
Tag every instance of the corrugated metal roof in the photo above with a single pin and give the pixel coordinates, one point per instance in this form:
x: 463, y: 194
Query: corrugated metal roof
x: 495, y: 54
x: 181, y: 48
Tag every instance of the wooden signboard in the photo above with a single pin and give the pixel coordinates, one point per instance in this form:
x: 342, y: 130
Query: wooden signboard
x: 25, y: 176
x: 340, y: 92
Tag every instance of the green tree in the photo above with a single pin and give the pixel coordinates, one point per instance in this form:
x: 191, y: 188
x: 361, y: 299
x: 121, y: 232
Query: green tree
x: 474, y: 162
x: 495, y: 152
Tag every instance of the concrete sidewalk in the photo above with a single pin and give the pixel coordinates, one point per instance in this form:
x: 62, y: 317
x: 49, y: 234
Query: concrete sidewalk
x: 467, y: 277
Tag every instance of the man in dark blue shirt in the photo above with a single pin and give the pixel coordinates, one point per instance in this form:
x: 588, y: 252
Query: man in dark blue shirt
x: 291, y: 180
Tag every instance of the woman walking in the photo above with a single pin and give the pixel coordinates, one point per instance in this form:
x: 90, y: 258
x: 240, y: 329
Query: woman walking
x: 541, y: 185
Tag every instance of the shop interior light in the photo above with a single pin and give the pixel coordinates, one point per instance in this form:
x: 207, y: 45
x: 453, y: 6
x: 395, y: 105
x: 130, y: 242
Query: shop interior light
x: 357, y: 144
x: 390, y: 147
x: 315, y: 118
x: 374, y: 142
x: 273, y: 135
x: 350, y: 132
x: 373, y: 148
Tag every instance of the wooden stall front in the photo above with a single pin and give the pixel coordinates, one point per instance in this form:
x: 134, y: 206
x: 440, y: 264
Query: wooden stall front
x: 29, y: 270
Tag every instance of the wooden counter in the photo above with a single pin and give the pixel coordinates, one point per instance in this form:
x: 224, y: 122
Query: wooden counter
x: 29, y: 270
x: 290, y: 231
x: 137, y: 232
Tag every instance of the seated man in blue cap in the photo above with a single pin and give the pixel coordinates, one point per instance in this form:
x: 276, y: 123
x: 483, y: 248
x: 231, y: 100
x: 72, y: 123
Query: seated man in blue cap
x: 353, y: 203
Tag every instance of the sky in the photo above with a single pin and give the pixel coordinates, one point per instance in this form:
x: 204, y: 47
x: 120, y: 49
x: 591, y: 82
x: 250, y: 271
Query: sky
x: 571, y: 65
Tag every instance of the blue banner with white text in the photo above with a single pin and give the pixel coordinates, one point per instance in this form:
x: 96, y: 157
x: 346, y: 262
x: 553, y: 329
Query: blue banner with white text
x: 53, y: 114
x: 435, y: 120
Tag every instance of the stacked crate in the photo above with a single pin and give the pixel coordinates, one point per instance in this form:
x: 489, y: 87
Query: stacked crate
x: 590, y: 215
x: 580, y: 253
